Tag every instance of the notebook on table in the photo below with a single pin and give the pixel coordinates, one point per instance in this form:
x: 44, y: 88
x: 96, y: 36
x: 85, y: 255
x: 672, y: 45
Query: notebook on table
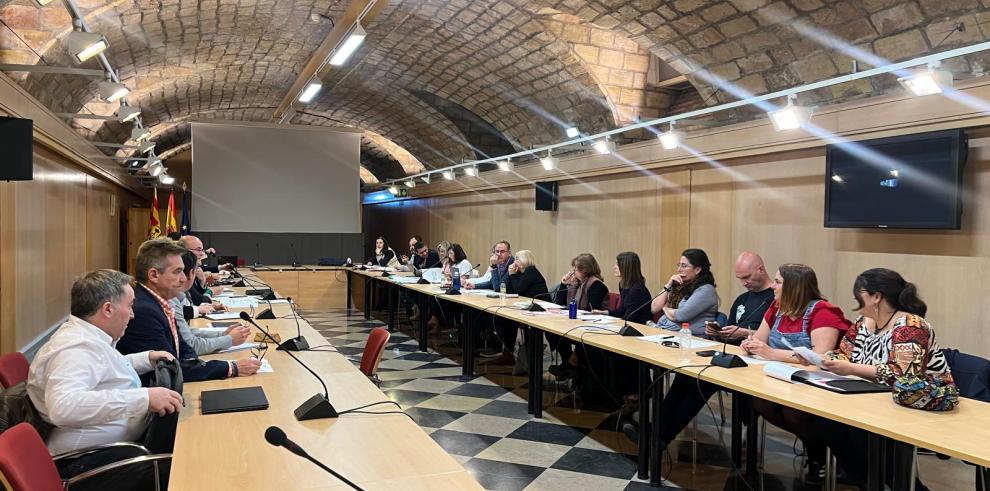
x: 823, y: 380
x: 233, y: 400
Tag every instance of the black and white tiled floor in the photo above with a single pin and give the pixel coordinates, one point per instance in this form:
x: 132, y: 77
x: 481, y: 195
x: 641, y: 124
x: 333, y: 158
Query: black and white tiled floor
x: 482, y: 422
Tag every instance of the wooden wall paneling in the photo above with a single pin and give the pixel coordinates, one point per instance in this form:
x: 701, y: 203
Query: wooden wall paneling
x: 102, y: 225
x: 8, y: 266
x: 321, y: 290
x: 138, y: 221
x: 674, y: 223
x: 711, y: 226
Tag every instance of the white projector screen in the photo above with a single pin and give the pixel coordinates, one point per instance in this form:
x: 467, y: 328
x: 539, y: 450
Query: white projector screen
x: 251, y: 178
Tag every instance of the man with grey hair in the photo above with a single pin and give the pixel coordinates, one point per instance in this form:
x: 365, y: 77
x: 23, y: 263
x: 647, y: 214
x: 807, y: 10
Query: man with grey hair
x: 84, y: 387
x: 160, y: 277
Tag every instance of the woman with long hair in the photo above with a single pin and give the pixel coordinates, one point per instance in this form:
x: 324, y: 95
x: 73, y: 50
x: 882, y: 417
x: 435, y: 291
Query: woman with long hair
x: 689, y: 296
x: 583, y: 284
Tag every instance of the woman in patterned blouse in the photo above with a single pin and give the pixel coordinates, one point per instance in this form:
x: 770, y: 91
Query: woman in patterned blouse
x: 893, y: 344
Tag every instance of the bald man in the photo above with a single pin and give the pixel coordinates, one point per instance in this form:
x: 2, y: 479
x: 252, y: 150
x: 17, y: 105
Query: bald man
x: 748, y: 309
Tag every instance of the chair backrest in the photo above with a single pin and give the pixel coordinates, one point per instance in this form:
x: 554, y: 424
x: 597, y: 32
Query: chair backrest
x: 13, y: 369
x: 971, y: 374
x: 614, y: 301
x: 25, y: 462
x: 722, y: 319
x: 373, y: 350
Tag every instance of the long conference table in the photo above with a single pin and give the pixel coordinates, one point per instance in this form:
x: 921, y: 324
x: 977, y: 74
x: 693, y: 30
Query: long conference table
x: 895, y: 431
x: 375, y: 451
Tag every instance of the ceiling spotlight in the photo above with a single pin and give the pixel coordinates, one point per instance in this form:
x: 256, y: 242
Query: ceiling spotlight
x: 605, y: 146
x: 505, y: 165
x: 166, y: 179
x: 471, y: 171
x: 129, y: 113
x: 136, y: 163
x: 345, y: 50
x: 573, y: 132
x: 670, y: 139
x: 310, y: 92
x: 425, y: 178
x: 549, y: 162
x: 927, y: 81
x: 84, y: 45
x: 448, y: 175
x: 155, y: 168
x: 113, y: 91
x: 791, y: 117
x: 146, y: 147
x: 140, y: 134
x: 410, y: 183
x: 394, y: 190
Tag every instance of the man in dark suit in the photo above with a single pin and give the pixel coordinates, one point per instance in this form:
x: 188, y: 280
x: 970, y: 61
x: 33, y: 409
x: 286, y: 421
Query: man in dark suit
x: 160, y: 277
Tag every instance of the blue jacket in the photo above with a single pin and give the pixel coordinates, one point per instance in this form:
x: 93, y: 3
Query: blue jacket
x: 497, y: 278
x: 149, y: 331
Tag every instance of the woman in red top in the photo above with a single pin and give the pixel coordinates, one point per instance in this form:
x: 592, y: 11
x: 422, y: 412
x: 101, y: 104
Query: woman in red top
x: 799, y: 316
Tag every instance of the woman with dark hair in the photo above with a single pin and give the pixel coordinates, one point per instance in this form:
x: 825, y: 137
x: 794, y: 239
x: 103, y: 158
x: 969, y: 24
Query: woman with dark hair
x: 383, y: 254
x: 583, y: 284
x: 454, y: 258
x: 633, y: 292
x: 689, y: 296
x: 890, y: 343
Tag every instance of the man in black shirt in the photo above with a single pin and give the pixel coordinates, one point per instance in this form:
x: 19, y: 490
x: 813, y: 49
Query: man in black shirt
x: 747, y: 311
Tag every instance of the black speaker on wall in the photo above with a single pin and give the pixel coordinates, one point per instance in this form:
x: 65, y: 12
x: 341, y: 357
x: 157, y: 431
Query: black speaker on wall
x: 546, y: 196
x: 16, y: 149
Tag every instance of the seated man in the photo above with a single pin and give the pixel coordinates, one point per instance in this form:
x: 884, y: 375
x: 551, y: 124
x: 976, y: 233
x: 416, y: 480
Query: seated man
x: 200, y: 291
x: 747, y: 310
x: 415, y: 239
x: 160, y: 276
x: 202, y: 341
x: 90, y: 392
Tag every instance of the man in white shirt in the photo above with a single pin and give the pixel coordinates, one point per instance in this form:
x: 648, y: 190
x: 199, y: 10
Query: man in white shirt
x: 83, y: 386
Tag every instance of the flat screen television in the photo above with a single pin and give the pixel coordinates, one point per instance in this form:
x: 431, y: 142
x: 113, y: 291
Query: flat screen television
x: 909, y: 182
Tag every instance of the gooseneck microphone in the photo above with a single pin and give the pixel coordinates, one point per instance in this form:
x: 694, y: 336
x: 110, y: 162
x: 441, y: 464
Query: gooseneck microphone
x: 297, y: 343
x: 316, y: 407
x: 728, y: 360
x: 628, y: 330
x: 257, y: 257
x: 275, y: 436
x: 294, y: 255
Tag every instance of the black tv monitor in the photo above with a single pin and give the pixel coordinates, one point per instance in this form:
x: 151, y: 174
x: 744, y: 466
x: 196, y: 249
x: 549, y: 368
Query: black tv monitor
x: 908, y: 182
x: 16, y: 149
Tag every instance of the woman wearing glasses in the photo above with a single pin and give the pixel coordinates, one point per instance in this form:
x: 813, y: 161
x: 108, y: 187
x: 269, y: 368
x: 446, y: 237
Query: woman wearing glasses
x: 689, y: 296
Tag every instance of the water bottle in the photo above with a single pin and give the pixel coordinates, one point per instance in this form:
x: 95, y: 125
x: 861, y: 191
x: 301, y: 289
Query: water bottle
x: 572, y: 310
x: 455, y: 279
x: 684, y: 340
x: 501, y: 291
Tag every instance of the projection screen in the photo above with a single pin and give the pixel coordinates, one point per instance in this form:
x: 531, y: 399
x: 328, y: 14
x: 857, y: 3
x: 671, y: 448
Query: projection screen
x: 255, y: 178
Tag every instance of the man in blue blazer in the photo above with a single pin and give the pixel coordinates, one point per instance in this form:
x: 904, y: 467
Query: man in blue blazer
x: 160, y: 277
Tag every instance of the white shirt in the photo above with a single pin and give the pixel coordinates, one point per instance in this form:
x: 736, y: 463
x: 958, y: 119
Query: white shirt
x: 81, y: 384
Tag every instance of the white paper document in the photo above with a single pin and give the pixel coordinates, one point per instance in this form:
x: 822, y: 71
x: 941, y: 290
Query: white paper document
x: 217, y: 330
x: 695, y: 343
x: 223, y: 316
x: 240, y: 347
x: 266, y: 367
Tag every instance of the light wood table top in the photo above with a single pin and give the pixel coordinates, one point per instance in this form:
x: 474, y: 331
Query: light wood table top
x: 229, y: 451
x: 961, y: 433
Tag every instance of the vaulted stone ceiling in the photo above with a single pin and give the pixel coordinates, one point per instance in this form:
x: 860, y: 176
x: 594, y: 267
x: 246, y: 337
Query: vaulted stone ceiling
x: 438, y: 81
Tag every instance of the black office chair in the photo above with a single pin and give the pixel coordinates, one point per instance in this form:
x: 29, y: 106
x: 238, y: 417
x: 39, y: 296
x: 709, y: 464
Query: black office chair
x: 972, y: 376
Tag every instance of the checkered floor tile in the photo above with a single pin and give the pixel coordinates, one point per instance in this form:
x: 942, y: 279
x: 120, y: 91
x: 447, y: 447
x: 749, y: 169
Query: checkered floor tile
x: 482, y: 422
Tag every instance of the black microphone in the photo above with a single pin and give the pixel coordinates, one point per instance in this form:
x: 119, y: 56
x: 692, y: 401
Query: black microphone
x: 535, y: 307
x: 297, y: 343
x: 316, y: 407
x: 726, y: 360
x: 268, y: 313
x: 257, y: 259
x: 628, y: 330
x: 276, y: 437
x: 295, y: 257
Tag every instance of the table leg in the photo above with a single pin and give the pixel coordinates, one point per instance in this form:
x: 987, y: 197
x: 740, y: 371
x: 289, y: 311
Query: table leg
x: 655, y: 422
x: 467, y: 340
x: 903, y: 478
x: 536, y: 371
x: 391, y: 294
x: 643, y: 454
x: 367, y: 298
x: 349, y: 275
x: 738, y: 413
x: 752, y: 438
x: 530, y: 386
x: 876, y: 459
x: 424, y: 306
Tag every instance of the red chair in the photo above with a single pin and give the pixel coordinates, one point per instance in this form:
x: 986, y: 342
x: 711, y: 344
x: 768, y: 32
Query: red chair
x: 614, y: 301
x: 25, y: 464
x: 373, y: 350
x: 13, y: 369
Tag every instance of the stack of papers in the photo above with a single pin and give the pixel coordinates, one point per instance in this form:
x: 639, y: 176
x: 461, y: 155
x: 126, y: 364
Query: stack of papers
x: 240, y: 347
x: 223, y: 316
x: 240, y: 303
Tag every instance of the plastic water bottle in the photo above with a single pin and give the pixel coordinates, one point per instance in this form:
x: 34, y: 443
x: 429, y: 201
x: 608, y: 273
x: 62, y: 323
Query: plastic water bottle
x: 572, y: 310
x: 501, y: 292
x: 684, y: 340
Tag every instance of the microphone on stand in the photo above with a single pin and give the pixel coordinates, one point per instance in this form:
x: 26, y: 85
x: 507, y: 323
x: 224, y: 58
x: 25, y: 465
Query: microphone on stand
x: 297, y: 343
x: 628, y: 330
x: 257, y: 258
x: 275, y: 436
x: 727, y: 360
x: 316, y: 407
x: 535, y: 307
x: 295, y: 257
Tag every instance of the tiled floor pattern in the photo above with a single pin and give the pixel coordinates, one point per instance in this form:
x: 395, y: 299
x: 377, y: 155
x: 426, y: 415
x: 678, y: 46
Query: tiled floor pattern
x: 482, y: 422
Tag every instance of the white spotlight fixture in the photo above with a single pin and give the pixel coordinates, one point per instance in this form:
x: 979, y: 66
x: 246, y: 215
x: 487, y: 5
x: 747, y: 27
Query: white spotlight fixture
x: 155, y: 168
x: 791, y: 117
x: 146, y: 147
x: 84, y: 45
x: 112, y: 91
x: 349, y: 46
x: 505, y: 165
x: 471, y: 171
x: 573, y: 132
x: 670, y: 139
x: 140, y: 134
x: 128, y: 113
x: 448, y: 175
x: 605, y: 146
x: 425, y: 178
x: 394, y: 190
x: 549, y: 162
x: 310, y: 92
x: 166, y: 179
x: 410, y: 184
x: 927, y: 81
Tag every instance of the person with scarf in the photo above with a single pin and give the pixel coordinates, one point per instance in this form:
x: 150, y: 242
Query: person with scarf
x: 583, y: 284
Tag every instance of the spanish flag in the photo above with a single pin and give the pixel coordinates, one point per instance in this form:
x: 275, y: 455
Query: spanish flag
x: 170, y: 226
x: 155, y: 230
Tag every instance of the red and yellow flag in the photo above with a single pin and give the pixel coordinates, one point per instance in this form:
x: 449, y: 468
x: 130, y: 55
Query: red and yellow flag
x: 155, y: 230
x: 170, y: 225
